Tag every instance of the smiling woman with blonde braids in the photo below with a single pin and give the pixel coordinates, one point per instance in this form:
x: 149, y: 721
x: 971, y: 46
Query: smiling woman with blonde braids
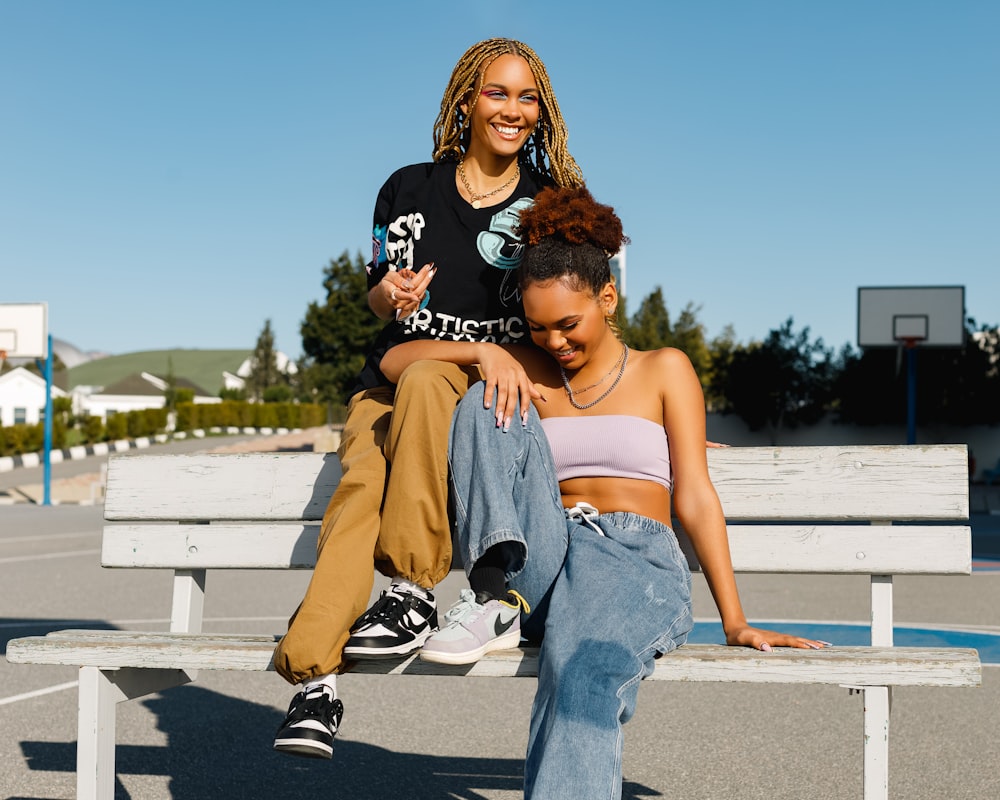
x: 444, y: 259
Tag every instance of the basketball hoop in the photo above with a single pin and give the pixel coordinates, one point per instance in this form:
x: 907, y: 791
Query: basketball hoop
x: 908, y: 344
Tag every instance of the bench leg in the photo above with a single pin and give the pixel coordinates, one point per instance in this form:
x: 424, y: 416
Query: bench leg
x: 878, y: 704
x: 95, y: 744
x: 100, y: 693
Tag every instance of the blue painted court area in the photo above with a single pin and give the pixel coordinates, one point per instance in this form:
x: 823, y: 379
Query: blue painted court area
x: 988, y: 644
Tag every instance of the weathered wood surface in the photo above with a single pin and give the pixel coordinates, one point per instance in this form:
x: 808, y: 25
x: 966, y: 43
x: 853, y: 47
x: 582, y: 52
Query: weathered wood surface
x: 258, y: 486
x: 856, y: 666
x: 755, y: 483
x: 843, y: 483
x: 808, y: 548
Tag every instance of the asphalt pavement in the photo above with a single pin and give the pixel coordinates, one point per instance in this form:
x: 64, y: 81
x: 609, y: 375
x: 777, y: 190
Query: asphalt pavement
x: 438, y: 738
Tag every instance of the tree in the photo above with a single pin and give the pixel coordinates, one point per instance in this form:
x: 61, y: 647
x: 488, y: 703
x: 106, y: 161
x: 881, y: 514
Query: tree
x: 264, y: 372
x: 688, y: 335
x: 337, y: 333
x: 958, y: 386
x: 720, y: 359
x: 170, y: 393
x: 650, y: 329
x: 782, y: 382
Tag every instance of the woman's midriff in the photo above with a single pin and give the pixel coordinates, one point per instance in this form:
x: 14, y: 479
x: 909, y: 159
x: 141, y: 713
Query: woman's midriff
x: 618, y: 494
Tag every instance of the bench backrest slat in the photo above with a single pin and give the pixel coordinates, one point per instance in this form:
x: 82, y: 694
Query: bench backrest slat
x: 843, y: 483
x: 215, y: 486
x: 754, y: 483
x: 849, y: 549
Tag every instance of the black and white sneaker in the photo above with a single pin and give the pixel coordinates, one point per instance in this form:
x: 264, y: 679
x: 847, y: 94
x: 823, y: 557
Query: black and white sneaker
x: 398, y: 623
x: 312, y: 721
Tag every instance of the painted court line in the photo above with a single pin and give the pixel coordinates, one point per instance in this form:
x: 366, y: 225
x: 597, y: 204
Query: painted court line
x: 49, y: 556
x: 47, y: 537
x: 38, y: 693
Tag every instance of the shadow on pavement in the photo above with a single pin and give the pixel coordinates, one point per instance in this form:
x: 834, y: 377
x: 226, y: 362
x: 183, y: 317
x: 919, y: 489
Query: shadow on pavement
x: 219, y: 746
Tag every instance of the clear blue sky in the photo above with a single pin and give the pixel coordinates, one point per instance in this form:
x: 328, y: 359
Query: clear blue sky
x: 173, y: 173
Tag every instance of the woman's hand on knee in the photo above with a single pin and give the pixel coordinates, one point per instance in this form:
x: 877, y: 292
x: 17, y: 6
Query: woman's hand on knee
x: 506, y: 379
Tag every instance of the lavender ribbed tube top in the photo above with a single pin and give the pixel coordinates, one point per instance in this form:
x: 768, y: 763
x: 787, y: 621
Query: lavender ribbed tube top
x: 609, y: 445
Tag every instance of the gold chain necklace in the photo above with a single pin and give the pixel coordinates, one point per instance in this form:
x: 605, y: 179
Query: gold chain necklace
x: 622, y: 360
x: 477, y: 198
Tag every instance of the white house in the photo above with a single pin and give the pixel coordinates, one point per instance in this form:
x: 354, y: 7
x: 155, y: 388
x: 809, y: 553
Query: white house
x: 22, y: 397
x: 239, y: 381
x: 132, y: 393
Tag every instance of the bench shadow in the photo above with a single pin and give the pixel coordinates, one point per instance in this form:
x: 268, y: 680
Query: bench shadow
x: 219, y: 746
x: 326, y: 482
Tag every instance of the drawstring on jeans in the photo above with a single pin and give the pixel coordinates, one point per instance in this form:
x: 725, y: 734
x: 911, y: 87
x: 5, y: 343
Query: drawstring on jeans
x: 585, y: 514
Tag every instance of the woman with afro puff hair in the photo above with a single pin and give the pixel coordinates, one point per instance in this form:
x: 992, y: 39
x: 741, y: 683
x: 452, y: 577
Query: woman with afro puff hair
x: 564, y: 516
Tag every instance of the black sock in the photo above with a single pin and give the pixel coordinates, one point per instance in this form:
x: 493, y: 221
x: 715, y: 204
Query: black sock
x: 488, y: 576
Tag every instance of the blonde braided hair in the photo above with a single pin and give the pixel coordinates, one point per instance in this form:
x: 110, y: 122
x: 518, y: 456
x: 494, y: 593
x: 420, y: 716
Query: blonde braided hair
x: 547, y: 140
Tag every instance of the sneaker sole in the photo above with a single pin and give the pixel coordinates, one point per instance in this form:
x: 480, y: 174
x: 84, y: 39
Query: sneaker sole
x: 505, y: 642
x: 304, y: 748
x: 379, y: 653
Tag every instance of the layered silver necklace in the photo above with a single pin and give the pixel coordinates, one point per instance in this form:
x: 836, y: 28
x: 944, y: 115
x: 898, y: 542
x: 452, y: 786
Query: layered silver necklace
x: 619, y: 365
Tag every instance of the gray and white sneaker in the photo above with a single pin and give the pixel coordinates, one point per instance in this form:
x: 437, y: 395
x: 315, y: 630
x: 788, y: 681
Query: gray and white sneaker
x: 398, y: 623
x: 474, y: 626
x: 310, y: 725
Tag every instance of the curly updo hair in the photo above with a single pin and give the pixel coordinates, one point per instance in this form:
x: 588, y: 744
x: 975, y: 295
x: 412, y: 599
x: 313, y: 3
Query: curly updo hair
x: 568, y: 234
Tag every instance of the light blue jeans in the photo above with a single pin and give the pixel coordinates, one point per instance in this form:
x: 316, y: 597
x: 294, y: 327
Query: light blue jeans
x: 606, y: 595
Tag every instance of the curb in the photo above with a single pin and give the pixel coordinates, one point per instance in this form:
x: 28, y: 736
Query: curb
x: 27, y: 460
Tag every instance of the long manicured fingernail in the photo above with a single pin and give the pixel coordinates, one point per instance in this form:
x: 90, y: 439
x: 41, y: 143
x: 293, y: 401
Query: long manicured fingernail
x: 506, y: 425
x: 766, y: 647
x: 524, y: 420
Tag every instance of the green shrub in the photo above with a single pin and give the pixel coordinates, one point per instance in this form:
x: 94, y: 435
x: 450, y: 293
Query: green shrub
x: 116, y: 427
x: 93, y: 430
x: 282, y: 393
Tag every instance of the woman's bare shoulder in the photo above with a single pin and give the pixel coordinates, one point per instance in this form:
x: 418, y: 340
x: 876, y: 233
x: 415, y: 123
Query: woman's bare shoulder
x: 666, y: 362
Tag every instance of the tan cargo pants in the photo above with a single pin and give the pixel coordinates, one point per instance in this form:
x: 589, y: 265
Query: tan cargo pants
x: 389, y: 511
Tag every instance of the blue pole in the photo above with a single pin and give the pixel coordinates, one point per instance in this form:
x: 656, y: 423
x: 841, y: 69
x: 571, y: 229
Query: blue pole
x: 47, y: 498
x: 911, y: 394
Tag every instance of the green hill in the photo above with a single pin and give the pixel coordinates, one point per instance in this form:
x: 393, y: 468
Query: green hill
x: 202, y: 367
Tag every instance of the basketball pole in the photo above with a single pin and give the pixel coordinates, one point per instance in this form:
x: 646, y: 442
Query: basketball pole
x: 910, y: 343
x: 47, y: 455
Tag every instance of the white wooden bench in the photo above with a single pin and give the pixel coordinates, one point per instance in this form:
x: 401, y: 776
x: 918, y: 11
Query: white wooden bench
x: 837, y: 510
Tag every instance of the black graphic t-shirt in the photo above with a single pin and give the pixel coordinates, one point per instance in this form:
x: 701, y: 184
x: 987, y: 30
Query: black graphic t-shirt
x: 421, y: 218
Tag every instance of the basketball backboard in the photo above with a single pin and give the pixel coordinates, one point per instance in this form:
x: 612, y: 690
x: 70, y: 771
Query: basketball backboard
x: 24, y: 330
x: 932, y: 316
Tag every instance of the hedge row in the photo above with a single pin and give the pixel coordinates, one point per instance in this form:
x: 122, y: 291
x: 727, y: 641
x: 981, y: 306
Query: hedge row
x: 240, y: 414
x: 20, y: 439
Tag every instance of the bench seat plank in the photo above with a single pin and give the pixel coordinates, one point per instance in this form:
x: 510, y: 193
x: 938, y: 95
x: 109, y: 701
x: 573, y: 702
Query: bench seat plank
x: 801, y: 548
x: 855, y: 666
